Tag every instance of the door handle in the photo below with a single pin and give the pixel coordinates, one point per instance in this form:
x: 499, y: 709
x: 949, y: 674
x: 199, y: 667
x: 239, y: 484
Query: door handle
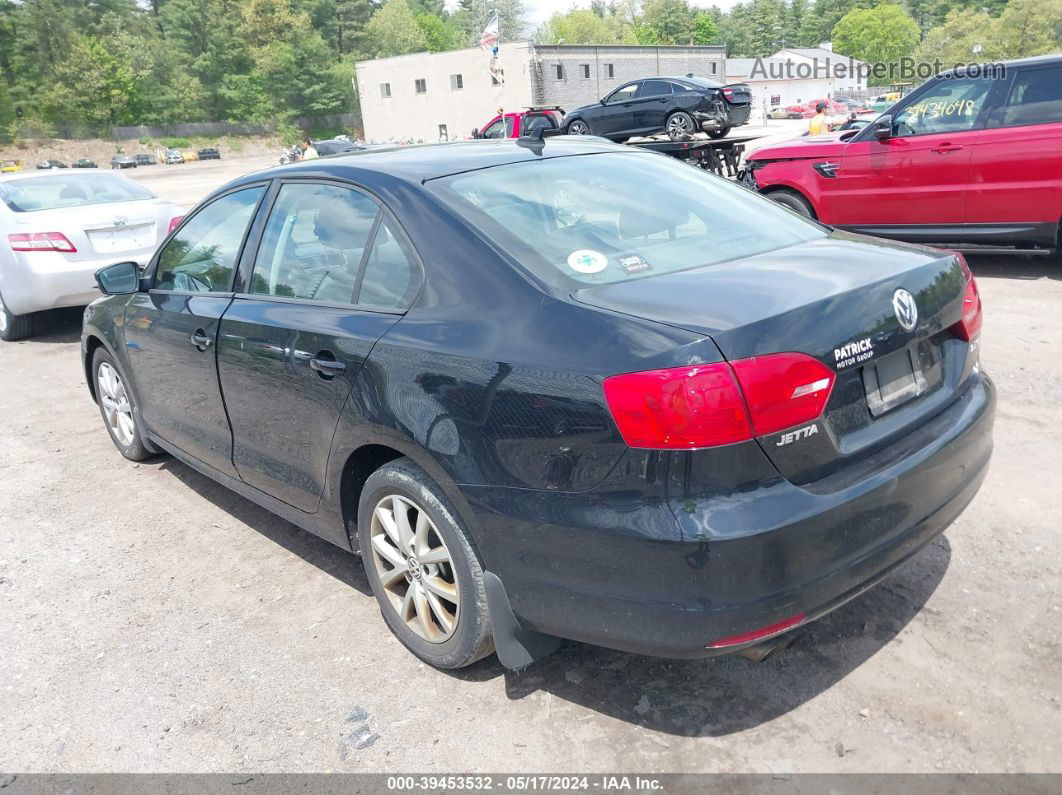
x: 945, y: 148
x: 200, y: 340
x: 326, y: 368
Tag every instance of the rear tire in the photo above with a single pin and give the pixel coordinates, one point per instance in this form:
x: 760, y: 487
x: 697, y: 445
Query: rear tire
x: 679, y: 126
x: 117, y: 407
x: 578, y: 127
x: 793, y: 200
x: 719, y: 133
x: 14, y: 327
x: 423, y: 567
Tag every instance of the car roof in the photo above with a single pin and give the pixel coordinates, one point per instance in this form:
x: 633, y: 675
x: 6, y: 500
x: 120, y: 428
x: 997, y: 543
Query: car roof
x: 1036, y: 60
x: 422, y: 162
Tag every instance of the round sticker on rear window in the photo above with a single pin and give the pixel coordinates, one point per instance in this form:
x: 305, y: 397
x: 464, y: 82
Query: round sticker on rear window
x: 587, y: 261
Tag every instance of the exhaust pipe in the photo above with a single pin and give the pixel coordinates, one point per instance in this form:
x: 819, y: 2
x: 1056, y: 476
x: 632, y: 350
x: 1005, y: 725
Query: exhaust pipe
x: 762, y: 652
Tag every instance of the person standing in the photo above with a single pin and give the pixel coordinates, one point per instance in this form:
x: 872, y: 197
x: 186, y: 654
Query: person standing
x: 819, y: 123
x: 308, y: 151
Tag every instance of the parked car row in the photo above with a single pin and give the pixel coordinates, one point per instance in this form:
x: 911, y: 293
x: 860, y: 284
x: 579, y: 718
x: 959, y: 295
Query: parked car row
x: 169, y: 157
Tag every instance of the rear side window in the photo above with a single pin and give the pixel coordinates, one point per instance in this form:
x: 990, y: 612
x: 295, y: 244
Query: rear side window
x: 202, y: 255
x: 313, y: 243
x: 599, y: 219
x: 74, y: 190
x: 389, y: 279
x: 1035, y: 97
x: 653, y: 88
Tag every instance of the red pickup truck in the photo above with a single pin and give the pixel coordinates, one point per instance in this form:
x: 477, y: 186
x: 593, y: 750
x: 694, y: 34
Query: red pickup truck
x: 518, y: 123
x: 964, y: 159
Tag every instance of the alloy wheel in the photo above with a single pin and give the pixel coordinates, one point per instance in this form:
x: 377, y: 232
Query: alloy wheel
x: 679, y: 124
x: 415, y: 568
x: 117, y: 410
x: 578, y: 128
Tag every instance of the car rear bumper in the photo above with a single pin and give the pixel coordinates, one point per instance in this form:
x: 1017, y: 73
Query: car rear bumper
x: 41, y: 280
x: 668, y: 577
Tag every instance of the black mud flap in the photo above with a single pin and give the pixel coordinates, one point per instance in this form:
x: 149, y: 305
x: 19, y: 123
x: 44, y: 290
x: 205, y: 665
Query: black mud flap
x: 516, y: 646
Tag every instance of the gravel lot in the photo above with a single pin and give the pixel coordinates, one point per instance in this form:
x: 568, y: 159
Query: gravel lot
x: 150, y: 620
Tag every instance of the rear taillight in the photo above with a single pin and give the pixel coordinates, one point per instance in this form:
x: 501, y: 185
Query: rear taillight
x: 174, y: 223
x: 969, y: 325
x: 728, y: 93
x: 41, y: 241
x: 683, y: 408
x: 678, y: 408
x: 783, y: 390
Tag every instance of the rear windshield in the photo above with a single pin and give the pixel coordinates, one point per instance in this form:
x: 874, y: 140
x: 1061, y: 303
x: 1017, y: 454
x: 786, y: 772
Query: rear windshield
x: 75, y: 190
x: 606, y: 218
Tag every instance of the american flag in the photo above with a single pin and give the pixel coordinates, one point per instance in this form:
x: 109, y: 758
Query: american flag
x: 489, y: 37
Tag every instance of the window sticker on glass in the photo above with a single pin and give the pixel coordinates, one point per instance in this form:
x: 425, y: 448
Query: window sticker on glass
x: 633, y: 263
x: 587, y: 260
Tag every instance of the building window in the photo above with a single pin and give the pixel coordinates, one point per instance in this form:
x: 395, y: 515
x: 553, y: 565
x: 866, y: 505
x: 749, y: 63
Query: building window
x: 385, y: 90
x: 715, y: 67
x: 494, y: 81
x: 586, y: 71
x: 421, y: 86
x: 609, y: 70
x: 456, y: 82
x: 443, y: 134
x: 559, y: 69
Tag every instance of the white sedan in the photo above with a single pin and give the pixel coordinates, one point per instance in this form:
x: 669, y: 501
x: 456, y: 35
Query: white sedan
x: 57, y: 229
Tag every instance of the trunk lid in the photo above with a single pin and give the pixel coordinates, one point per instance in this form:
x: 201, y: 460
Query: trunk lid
x: 737, y: 93
x: 832, y: 299
x: 99, y: 230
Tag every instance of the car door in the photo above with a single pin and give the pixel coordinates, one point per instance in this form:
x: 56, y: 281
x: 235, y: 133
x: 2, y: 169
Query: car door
x: 1016, y: 168
x: 171, y: 330
x: 654, y: 101
x: 331, y: 274
x: 616, y: 117
x: 919, y: 175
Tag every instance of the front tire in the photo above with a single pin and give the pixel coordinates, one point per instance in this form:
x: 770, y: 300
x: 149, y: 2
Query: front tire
x: 793, y: 200
x: 14, y: 327
x: 422, y: 567
x: 117, y: 407
x: 578, y: 127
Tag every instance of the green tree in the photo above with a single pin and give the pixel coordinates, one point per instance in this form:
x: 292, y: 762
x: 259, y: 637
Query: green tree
x: 965, y: 35
x: 1031, y: 27
x: 705, y: 29
x: 393, y: 30
x: 583, y: 26
x: 439, y: 35
x: 883, y: 34
x: 667, y: 21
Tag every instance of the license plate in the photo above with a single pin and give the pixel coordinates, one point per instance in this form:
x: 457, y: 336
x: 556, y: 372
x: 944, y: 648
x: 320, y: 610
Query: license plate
x: 127, y: 238
x: 892, y: 381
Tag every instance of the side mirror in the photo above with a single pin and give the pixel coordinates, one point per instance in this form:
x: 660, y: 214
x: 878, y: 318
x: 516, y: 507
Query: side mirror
x: 883, y: 128
x: 119, y: 279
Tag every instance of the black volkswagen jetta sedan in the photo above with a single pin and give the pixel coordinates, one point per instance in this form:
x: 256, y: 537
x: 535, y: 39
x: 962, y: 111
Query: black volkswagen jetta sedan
x: 556, y: 390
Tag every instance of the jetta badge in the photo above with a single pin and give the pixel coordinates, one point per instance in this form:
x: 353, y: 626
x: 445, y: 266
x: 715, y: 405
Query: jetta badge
x: 903, y: 304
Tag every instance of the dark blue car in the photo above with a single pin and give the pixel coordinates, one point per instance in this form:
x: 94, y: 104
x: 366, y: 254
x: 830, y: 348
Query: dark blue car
x: 556, y: 389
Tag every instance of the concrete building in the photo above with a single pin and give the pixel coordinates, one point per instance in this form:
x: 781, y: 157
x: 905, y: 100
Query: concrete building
x: 796, y: 75
x: 431, y: 96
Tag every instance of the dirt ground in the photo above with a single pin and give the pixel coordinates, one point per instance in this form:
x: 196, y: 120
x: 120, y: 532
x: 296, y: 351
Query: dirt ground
x: 151, y: 620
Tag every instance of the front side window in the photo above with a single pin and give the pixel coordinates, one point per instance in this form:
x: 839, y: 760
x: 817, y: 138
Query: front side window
x: 1035, y: 97
x: 598, y: 219
x: 313, y: 243
x: 75, y: 190
x: 948, y: 106
x: 624, y: 94
x: 202, y: 255
x: 496, y: 129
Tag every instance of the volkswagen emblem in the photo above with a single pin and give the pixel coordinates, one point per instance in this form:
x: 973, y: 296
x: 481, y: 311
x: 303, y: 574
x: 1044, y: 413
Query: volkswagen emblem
x: 120, y: 220
x: 903, y: 304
